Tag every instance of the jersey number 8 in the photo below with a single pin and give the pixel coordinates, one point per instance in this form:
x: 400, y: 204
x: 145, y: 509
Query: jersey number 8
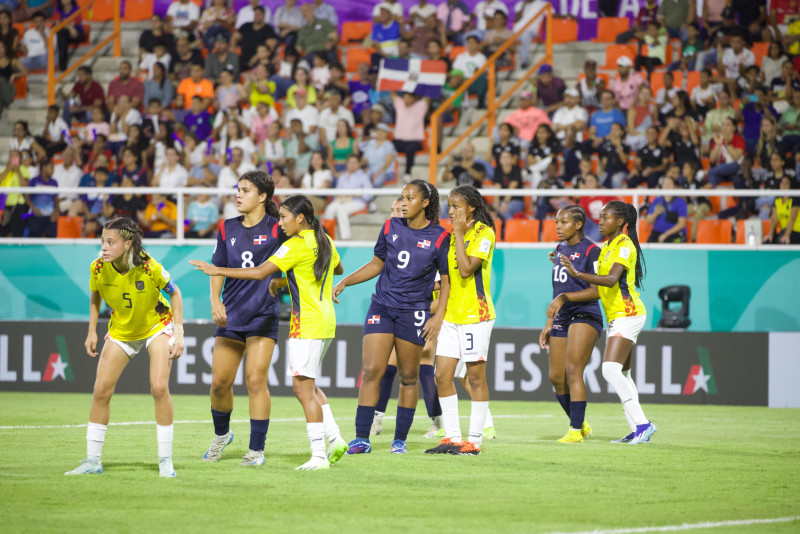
x: 559, y: 274
x: 247, y: 259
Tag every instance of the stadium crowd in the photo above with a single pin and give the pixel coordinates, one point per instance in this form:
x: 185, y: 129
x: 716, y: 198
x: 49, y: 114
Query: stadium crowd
x: 216, y: 92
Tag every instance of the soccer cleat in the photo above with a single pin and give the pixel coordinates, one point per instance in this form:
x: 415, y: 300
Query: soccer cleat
x: 586, y: 429
x: 399, y: 447
x: 626, y: 439
x: 316, y: 462
x: 436, y: 427
x: 489, y: 433
x: 253, y: 459
x: 573, y: 436
x: 165, y: 468
x: 218, y: 444
x: 336, y: 449
x: 643, y: 433
x: 444, y: 447
x: 377, y: 424
x: 359, y: 446
x: 467, y: 449
x: 89, y: 466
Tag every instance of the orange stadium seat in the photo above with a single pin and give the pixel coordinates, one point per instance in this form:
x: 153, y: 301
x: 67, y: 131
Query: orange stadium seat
x: 455, y: 51
x: 329, y: 225
x: 614, y: 52
x: 657, y: 80
x: 644, y: 230
x: 522, y: 231
x: 740, y: 233
x: 714, y: 231
x: 101, y: 10
x: 21, y: 86
x: 565, y: 30
x: 689, y: 225
x: 549, y: 231
x: 355, y: 32
x: 609, y: 27
x: 136, y: 10
x: 357, y: 56
x: 692, y: 80
x: 759, y: 50
x: 69, y: 227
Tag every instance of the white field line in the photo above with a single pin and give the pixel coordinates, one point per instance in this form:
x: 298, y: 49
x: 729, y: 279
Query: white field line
x: 688, y: 526
x: 208, y: 421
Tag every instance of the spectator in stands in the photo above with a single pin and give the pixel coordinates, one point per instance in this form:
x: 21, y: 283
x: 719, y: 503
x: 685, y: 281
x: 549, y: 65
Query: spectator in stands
x: 681, y: 107
x: 507, y: 175
x: 676, y: 15
x: 394, y: 8
x: 380, y: 155
x: 784, y: 222
x: 777, y: 170
x: 127, y: 85
x: 22, y: 139
x: 768, y: 143
x: 614, y: 156
x: 159, y: 87
x: 547, y: 205
x: 34, y: 44
x: 751, y: 16
x: 43, y: 221
x: 543, y: 150
x: 159, y: 55
x: 465, y: 169
x: 198, y: 120
x: 590, y: 86
x: 68, y: 174
x: 55, y: 134
x: 409, y: 131
x: 456, y: 20
x: 172, y: 174
x: 651, y: 161
x: 338, y: 83
x: 318, y: 36
x: 772, y: 63
x: 203, y: 216
x: 663, y: 98
x: 252, y: 33
x: 237, y: 166
x: 288, y: 21
x: 183, y: 15
x: 549, y: 89
x: 784, y: 85
x: 419, y: 14
x: 342, y: 207
x: 602, y: 119
x: 421, y: 34
x: 95, y: 154
x: 125, y: 205
x: 690, y: 48
x: 220, y: 59
x: 656, y: 40
x: 626, y: 83
x: 697, y: 207
x: 156, y: 34
x: 734, y: 61
x: 217, y: 19
x: 436, y: 52
x: 196, y: 85
x: 69, y: 34
x: 325, y: 11
x: 9, y: 35
x: 591, y: 205
x: 641, y: 116
x: 13, y: 175
x: 680, y: 138
x: 506, y: 143
x: 646, y: 14
x: 713, y: 123
x: 273, y: 149
x: 485, y: 12
x: 93, y: 203
x: 247, y: 15
x: 260, y: 88
x: 524, y: 11
x: 495, y: 37
x: 319, y: 176
x: 236, y: 137
x: 704, y: 95
x: 308, y: 115
x: 160, y: 217
x: 727, y: 152
x: 330, y: 117
x: 341, y: 147
x: 10, y: 69
x: 302, y: 81
x: 789, y: 126
x: 712, y: 15
x: 752, y: 114
x: 299, y: 148
x: 185, y: 57
x: 668, y: 215
x: 123, y: 116
x: 385, y: 36
x: 526, y: 119
x: 136, y: 139
x: 259, y: 128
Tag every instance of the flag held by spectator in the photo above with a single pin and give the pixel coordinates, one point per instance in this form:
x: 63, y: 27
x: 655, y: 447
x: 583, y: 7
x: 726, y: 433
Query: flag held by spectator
x: 424, y: 77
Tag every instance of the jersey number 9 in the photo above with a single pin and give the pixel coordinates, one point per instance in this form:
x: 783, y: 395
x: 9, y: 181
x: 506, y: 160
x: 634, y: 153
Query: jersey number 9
x: 403, y: 257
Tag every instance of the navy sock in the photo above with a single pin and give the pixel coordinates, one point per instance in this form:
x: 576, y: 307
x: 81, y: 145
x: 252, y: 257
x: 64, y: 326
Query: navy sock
x: 405, y: 416
x: 577, y: 411
x: 222, y: 422
x: 258, y: 433
x: 429, y: 391
x: 386, y: 388
x: 563, y: 400
x: 364, y: 417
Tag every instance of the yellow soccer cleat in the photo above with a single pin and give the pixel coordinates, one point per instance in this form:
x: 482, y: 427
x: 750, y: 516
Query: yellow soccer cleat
x: 586, y: 429
x: 573, y: 436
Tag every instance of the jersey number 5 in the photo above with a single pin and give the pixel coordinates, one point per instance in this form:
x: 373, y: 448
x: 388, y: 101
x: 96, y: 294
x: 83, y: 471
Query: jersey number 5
x: 127, y: 296
x: 559, y: 274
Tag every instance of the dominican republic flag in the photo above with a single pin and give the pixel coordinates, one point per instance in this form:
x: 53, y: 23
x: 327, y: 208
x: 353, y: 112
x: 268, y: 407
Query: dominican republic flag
x: 575, y: 255
x: 374, y: 319
x: 259, y: 239
x: 423, y: 77
x: 423, y: 243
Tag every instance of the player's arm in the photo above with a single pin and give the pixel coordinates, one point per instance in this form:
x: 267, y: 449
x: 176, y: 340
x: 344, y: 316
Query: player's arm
x: 608, y: 280
x: 218, y: 311
x: 584, y: 295
x: 785, y: 238
x: 467, y: 265
x: 94, y: 312
x: 339, y: 269
x: 434, y: 324
x: 261, y: 272
x: 176, y: 299
x: 368, y: 271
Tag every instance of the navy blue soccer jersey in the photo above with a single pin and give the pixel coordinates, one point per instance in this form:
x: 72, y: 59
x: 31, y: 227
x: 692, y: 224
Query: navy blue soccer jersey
x: 583, y: 256
x: 248, y: 304
x: 411, y: 260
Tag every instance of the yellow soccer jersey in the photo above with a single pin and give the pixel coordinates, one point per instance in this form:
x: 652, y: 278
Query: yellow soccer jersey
x: 783, y: 209
x: 135, y: 298
x: 313, y: 316
x: 621, y: 300
x: 470, y: 300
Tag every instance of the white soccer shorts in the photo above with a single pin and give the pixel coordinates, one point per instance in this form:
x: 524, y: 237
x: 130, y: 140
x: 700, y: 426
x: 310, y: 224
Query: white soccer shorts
x: 131, y: 348
x: 466, y: 342
x: 305, y: 356
x: 627, y: 327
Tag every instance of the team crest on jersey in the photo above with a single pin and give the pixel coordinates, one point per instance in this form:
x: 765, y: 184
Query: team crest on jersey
x: 139, y: 285
x: 259, y: 239
x: 575, y: 255
x: 233, y: 241
x: 374, y: 319
x: 394, y: 237
x: 423, y: 243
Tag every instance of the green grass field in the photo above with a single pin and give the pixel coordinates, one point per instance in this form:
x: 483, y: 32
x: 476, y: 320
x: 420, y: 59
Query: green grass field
x: 706, y: 464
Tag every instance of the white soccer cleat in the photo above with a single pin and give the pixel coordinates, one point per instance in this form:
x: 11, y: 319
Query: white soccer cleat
x: 218, y: 444
x: 89, y: 466
x: 165, y: 468
x: 436, y: 426
x: 316, y: 462
x: 253, y: 459
x: 377, y: 424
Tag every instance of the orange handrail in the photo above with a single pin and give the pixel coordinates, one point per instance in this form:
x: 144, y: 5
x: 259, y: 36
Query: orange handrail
x: 492, y: 104
x: 52, y: 80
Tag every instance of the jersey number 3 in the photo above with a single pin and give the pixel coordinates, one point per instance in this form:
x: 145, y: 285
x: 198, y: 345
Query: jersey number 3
x: 559, y: 274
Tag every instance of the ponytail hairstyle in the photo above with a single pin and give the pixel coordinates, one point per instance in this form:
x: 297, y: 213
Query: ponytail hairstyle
x: 578, y: 214
x: 264, y: 184
x: 128, y: 230
x: 299, y: 204
x: 628, y: 213
x: 475, y: 199
x: 430, y: 193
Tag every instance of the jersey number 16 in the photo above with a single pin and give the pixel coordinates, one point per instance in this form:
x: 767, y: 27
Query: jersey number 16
x: 560, y: 274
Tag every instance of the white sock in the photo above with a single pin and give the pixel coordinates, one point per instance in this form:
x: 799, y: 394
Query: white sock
x: 95, y: 435
x: 164, y: 436
x: 331, y: 428
x: 450, y: 417
x: 489, y: 419
x: 612, y: 372
x: 316, y: 438
x: 477, y: 418
x: 631, y: 424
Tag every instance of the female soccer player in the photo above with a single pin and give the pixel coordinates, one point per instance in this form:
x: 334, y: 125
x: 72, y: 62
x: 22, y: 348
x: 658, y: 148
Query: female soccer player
x: 130, y: 282
x: 469, y: 319
x: 309, y: 260
x: 409, y: 252
x: 620, y: 270
x: 246, y: 317
x: 572, y: 334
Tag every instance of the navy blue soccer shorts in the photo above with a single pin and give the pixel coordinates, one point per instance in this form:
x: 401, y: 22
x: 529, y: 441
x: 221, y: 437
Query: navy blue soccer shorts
x: 562, y: 323
x: 404, y: 324
x: 268, y: 329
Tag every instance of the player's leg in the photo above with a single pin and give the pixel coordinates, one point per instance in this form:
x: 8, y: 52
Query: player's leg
x: 113, y: 360
x: 427, y: 380
x: 489, y: 431
x: 408, y: 358
x: 259, y: 356
x: 225, y: 362
x: 476, y: 375
x: 387, y: 382
x: 581, y: 339
x: 448, y: 398
x: 376, y: 348
x: 160, y: 366
x: 305, y: 391
x: 558, y: 368
x: 337, y: 446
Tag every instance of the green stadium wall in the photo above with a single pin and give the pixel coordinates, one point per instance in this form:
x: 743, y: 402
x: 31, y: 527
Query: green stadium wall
x: 732, y: 291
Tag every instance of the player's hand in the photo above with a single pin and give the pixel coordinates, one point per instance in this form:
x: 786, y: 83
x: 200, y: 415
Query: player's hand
x: 219, y: 313
x: 568, y: 265
x: 784, y: 239
x: 555, y: 306
x: 91, y: 344
x: 544, y: 337
x: 276, y: 284
x: 207, y: 268
x: 552, y: 256
x: 459, y: 222
x: 430, y: 332
x: 176, y: 346
x: 338, y: 291
x: 662, y: 238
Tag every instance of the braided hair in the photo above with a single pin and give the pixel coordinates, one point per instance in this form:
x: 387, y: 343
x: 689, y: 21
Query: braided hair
x: 265, y: 185
x: 128, y: 230
x: 628, y: 213
x: 578, y: 214
x: 299, y: 204
x: 430, y: 193
x: 475, y: 199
